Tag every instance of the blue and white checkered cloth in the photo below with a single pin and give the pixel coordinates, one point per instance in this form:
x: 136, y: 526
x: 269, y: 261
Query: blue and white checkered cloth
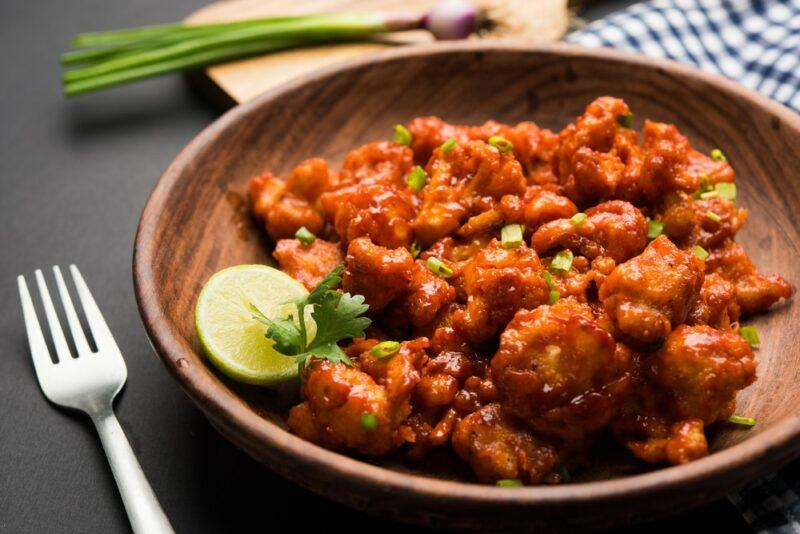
x: 757, y: 43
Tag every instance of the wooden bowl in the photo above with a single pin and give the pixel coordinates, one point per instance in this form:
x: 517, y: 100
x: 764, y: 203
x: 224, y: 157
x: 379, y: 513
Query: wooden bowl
x: 196, y: 222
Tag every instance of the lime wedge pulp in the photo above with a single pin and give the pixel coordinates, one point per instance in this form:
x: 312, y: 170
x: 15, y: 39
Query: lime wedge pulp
x: 232, y: 339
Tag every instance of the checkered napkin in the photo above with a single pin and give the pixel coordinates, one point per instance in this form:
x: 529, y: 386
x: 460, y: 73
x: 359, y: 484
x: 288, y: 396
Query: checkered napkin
x: 756, y: 43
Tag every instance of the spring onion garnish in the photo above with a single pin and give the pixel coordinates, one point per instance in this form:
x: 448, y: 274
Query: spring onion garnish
x: 501, y: 143
x: 562, y: 262
x: 577, y: 219
x: 654, y: 228
x: 438, y: 268
x: 417, y: 178
x: 705, y: 186
x: 304, y: 236
x: 700, y: 252
x: 563, y: 473
x: 415, y: 249
x: 548, y: 278
x: 744, y: 421
x: 401, y: 135
x: 509, y: 483
x: 750, y: 334
x: 553, y: 296
x: 626, y: 121
x: 717, y: 155
x: 369, y: 422
x: 109, y: 58
x: 713, y: 216
x: 384, y: 349
x: 708, y: 194
x: 449, y: 145
x: 726, y: 190
x: 511, y: 236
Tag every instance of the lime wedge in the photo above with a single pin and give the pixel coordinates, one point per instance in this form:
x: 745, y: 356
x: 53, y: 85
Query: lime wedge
x: 234, y: 341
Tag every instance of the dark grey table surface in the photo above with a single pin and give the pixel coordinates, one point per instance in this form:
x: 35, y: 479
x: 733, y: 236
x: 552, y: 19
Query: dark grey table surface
x: 75, y: 176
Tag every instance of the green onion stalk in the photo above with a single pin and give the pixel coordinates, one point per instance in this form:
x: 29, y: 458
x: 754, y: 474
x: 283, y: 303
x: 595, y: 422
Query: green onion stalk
x: 105, y: 59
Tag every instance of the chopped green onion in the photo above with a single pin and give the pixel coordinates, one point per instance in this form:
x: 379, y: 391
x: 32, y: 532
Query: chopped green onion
x: 562, y: 262
x: 563, y: 473
x: 553, y: 296
x: 438, y: 268
x: 509, y: 483
x: 369, y: 422
x: 708, y: 194
x: 449, y: 145
x: 713, y: 216
x: 511, y: 236
x: 577, y: 219
x: 705, y: 185
x: 548, y: 278
x: 501, y: 143
x: 625, y: 121
x: 384, y: 349
x: 726, y: 190
x: 744, y: 421
x: 401, y: 135
x: 304, y: 236
x: 417, y: 178
x: 717, y: 155
x: 415, y: 249
x: 750, y: 334
x: 654, y: 228
x: 700, y: 252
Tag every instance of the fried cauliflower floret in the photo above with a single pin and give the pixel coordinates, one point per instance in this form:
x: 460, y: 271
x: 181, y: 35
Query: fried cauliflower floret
x: 593, y: 152
x: 282, y: 211
x: 650, y: 294
x: 427, y: 295
x: 377, y: 163
x: 498, y: 282
x: 664, y: 165
x: 559, y: 371
x: 702, y: 369
x: 337, y: 397
x: 705, y: 222
x: 428, y: 134
x: 470, y: 171
x: 716, y: 305
x: 754, y: 291
x: 497, y: 447
x: 308, y: 264
x: 537, y: 206
x: 615, y: 229
x: 379, y: 274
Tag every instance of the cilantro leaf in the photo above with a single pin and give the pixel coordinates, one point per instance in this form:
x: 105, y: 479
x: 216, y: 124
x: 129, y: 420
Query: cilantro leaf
x: 284, y: 332
x: 337, y: 317
x: 328, y: 284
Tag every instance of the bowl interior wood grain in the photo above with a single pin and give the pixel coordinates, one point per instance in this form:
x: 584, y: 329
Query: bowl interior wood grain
x: 196, y: 222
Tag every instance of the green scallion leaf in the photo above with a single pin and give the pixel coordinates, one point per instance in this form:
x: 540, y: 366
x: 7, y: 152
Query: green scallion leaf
x: 369, y: 422
x: 705, y: 185
x: 562, y: 262
x: 449, y: 145
x: 577, y: 219
x: 401, y: 135
x: 417, y: 178
x: 509, y: 483
x: 501, y: 143
x: 415, y: 249
x: 700, y: 252
x: 548, y: 278
x: 750, y: 334
x: 726, y: 190
x: 553, y: 296
x: 744, y: 421
x: 511, y: 236
x: 437, y: 267
x: 384, y: 349
x: 713, y: 216
x: 626, y: 121
x: 708, y: 194
x: 304, y: 236
x: 654, y: 228
x: 717, y: 155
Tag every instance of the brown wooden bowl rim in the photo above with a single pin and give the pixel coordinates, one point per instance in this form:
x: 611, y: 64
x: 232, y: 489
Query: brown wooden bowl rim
x: 731, y: 467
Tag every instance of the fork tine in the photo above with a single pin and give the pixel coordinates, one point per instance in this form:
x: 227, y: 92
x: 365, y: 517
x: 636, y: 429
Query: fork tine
x: 60, y: 342
x: 100, y: 331
x: 72, y: 318
x: 42, y: 361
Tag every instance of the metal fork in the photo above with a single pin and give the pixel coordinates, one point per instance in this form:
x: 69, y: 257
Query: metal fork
x: 89, y: 383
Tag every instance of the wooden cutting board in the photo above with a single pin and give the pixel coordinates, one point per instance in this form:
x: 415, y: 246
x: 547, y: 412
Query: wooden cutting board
x: 240, y: 81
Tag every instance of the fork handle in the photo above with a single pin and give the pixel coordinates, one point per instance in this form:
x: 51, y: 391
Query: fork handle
x: 144, y: 512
